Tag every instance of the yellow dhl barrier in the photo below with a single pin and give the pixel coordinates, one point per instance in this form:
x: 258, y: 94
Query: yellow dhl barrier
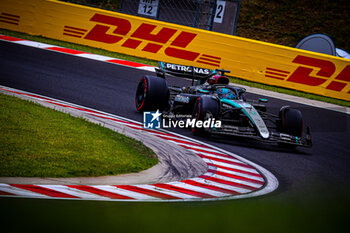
x: 247, y: 59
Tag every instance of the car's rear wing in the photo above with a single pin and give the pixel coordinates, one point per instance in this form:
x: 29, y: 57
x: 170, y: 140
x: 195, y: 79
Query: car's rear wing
x: 183, y: 71
x: 195, y: 73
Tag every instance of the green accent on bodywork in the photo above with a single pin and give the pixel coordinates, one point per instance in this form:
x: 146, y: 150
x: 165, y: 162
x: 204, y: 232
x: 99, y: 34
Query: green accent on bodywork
x: 236, y: 105
x: 263, y: 100
x: 203, y: 91
x: 230, y: 102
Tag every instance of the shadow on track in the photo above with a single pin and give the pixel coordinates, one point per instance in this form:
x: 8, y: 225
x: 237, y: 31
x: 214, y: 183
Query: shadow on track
x: 254, y: 144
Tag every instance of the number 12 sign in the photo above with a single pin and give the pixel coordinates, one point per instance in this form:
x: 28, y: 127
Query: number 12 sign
x: 148, y: 7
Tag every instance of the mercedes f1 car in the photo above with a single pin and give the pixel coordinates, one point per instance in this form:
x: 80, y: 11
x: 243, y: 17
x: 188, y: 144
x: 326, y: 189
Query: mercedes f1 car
x: 211, y: 97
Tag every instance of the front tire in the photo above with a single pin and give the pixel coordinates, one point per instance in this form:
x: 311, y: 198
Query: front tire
x: 205, y: 108
x: 291, y: 123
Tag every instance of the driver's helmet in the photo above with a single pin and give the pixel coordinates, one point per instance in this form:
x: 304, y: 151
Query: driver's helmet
x: 225, y: 93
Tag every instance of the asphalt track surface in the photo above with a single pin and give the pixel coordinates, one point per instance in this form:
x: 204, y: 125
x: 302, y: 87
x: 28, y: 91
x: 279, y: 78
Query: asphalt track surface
x: 302, y: 172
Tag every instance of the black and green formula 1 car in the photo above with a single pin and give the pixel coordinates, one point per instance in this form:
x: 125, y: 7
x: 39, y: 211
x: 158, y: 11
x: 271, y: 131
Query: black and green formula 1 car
x: 212, y: 98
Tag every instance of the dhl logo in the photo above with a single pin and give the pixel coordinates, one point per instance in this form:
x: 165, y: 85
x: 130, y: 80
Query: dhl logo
x: 152, y: 38
x: 303, y: 72
x: 144, y: 33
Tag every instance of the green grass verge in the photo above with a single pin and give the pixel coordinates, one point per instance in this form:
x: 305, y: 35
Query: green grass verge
x: 154, y: 63
x: 40, y: 142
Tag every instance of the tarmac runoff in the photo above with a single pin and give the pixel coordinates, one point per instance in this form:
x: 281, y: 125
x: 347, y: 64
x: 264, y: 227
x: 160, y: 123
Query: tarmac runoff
x: 188, y: 170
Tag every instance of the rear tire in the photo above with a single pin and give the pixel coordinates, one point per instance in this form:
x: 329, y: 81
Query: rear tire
x: 205, y: 107
x: 152, y: 94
